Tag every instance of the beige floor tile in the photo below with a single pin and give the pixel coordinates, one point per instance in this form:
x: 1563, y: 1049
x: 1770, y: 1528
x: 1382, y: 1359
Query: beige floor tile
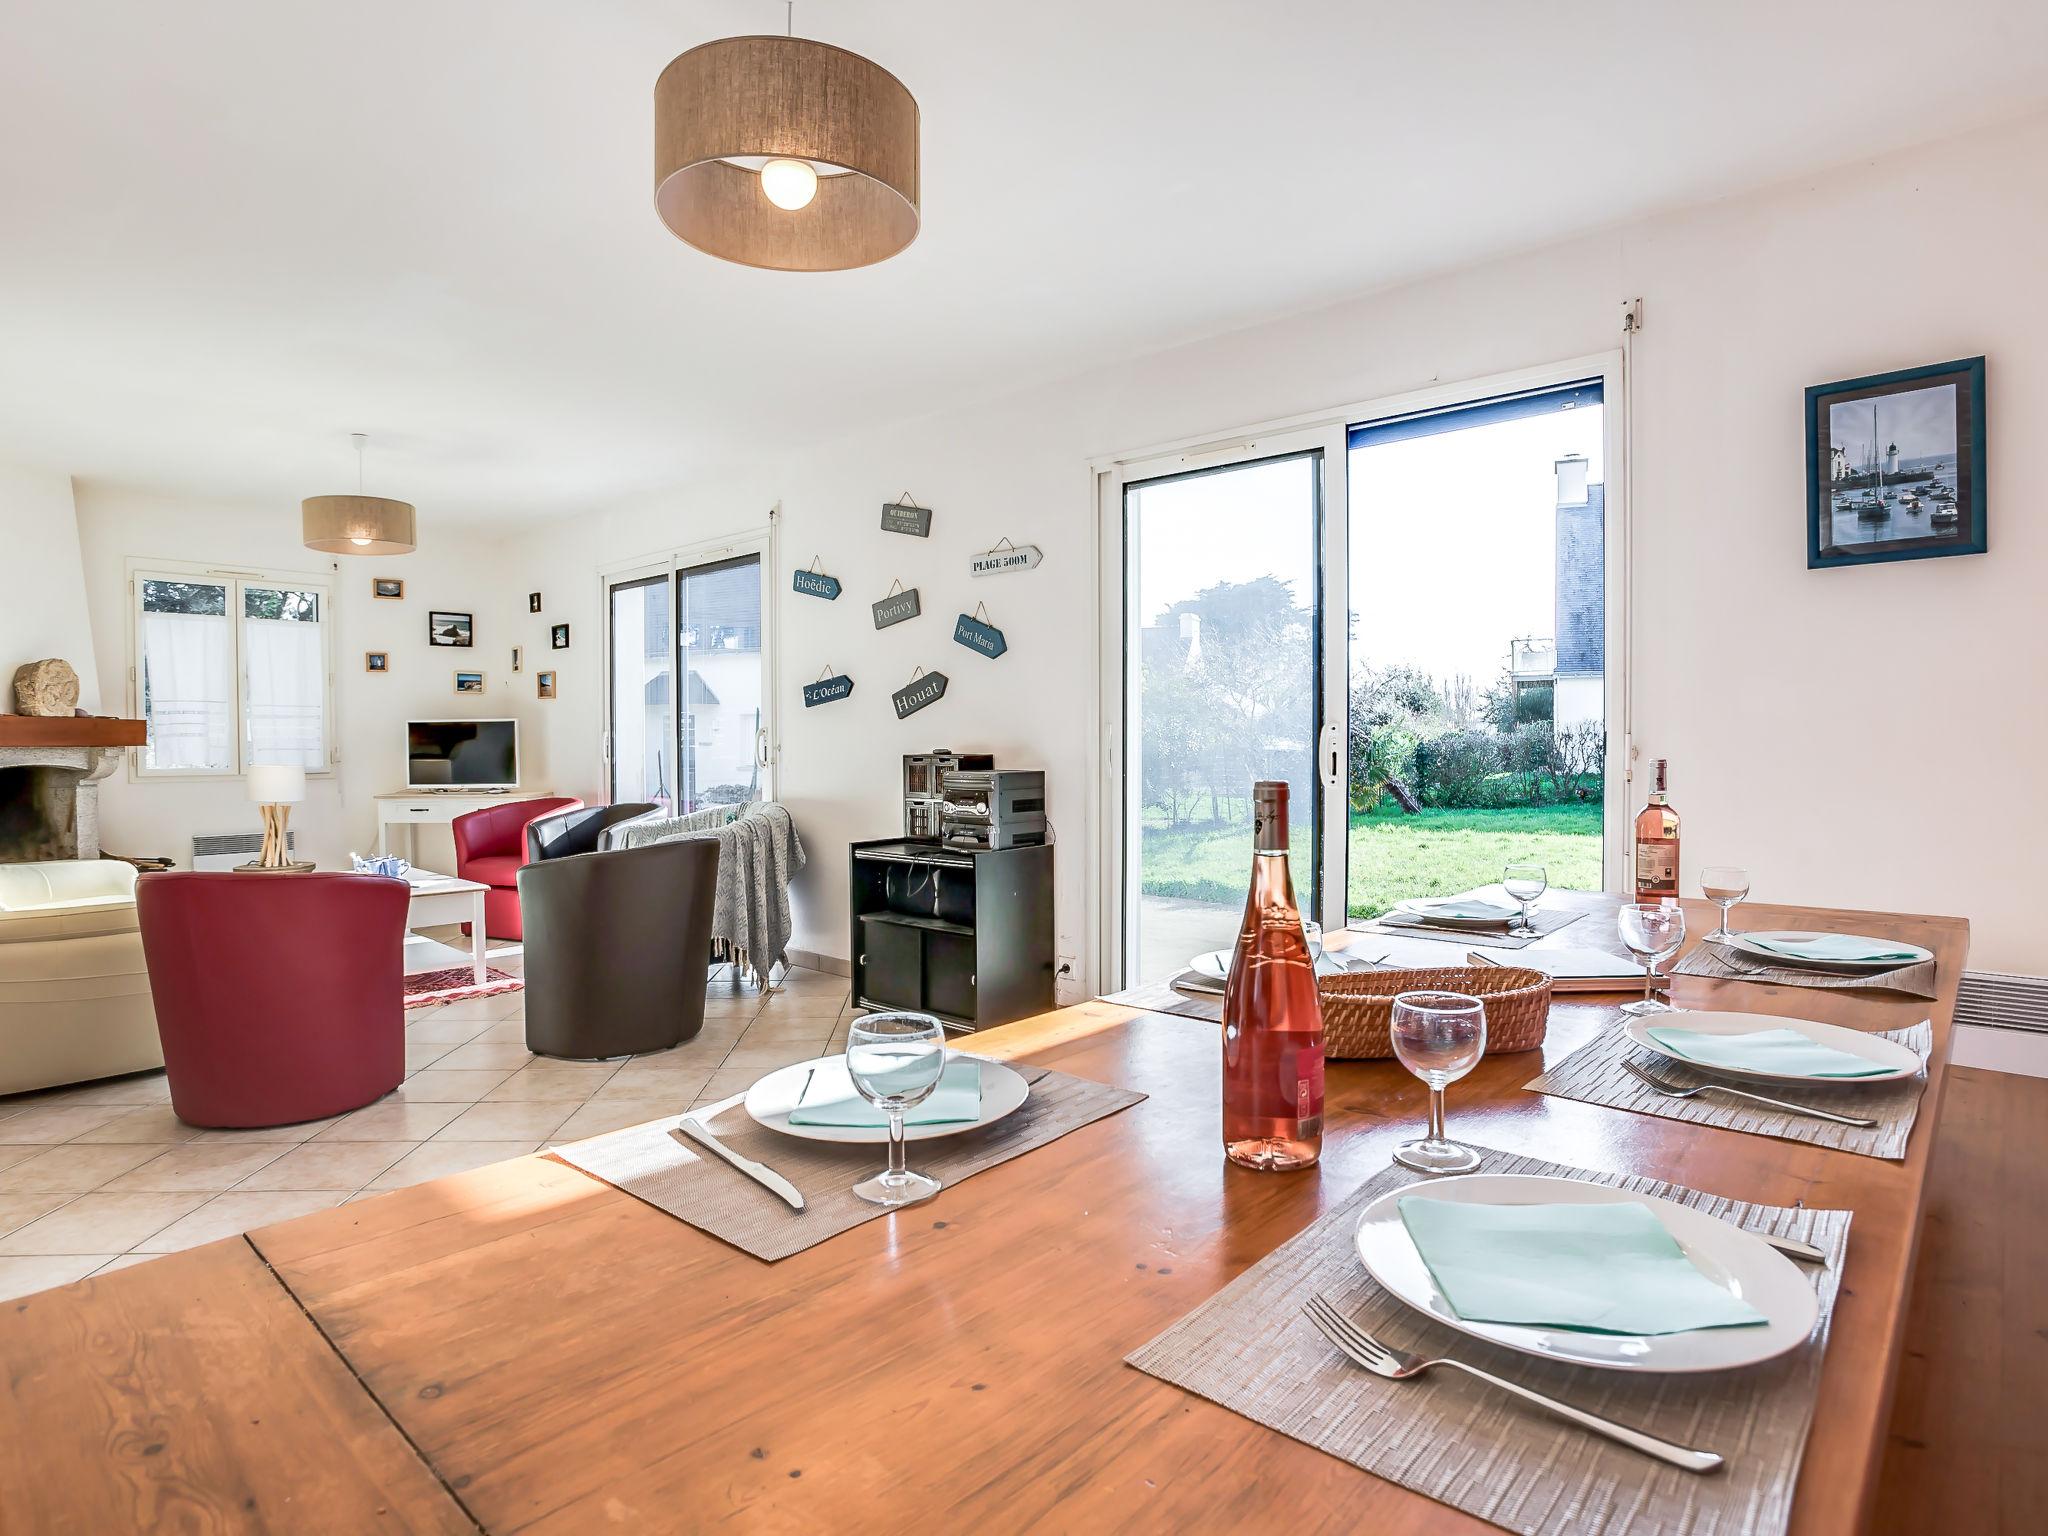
x: 49, y: 1124
x: 500, y: 1056
x: 490, y: 1010
x: 126, y: 1261
x: 389, y: 1121
x: 721, y: 1085
x: 505, y: 1032
x: 716, y: 1007
x: 371, y: 1194
x: 447, y: 1031
x: 601, y: 1115
x: 765, y: 1058
x: 656, y: 1074
x: 771, y: 1028
x: 134, y: 1090
x: 155, y: 1122
x: 75, y: 1169
x: 836, y: 1044
x: 211, y: 1168
x: 305, y: 1130
x: 537, y: 1082
x: 227, y: 1215
x: 9, y: 1156
x: 25, y: 1276
x: 343, y: 1166
x: 506, y: 1122
x: 17, y: 1211
x: 441, y: 1086
x: 802, y: 1005
x: 421, y: 1054
x: 439, y: 1159
x: 101, y: 1223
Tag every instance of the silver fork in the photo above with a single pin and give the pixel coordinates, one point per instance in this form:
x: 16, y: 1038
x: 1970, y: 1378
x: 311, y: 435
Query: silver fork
x: 1361, y: 1348
x: 1659, y: 1086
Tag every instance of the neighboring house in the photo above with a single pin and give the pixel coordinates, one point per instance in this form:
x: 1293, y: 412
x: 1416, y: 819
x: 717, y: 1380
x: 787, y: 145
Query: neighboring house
x: 1573, y: 662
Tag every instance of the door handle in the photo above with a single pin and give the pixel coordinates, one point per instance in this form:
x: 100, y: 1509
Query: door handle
x: 1329, y: 756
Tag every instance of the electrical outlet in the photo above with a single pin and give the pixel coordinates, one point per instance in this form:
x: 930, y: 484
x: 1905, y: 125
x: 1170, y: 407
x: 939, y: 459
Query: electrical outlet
x: 1066, y: 979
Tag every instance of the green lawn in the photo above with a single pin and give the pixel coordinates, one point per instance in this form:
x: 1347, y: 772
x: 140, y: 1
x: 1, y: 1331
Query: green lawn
x: 1392, y: 856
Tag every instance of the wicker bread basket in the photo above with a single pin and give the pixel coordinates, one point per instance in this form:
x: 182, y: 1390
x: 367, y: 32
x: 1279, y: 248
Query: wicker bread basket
x: 1358, y: 1006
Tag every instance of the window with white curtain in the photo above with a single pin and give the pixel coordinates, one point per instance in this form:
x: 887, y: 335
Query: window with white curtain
x: 231, y: 671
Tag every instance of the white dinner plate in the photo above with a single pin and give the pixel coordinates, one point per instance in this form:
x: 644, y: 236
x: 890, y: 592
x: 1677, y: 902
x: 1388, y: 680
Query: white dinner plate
x: 1216, y: 965
x: 1729, y: 1257
x: 769, y: 1101
x: 1899, y: 1061
x: 1743, y: 942
x: 1422, y: 910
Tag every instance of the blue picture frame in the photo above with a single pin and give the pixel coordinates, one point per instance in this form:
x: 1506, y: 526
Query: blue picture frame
x: 1871, y: 498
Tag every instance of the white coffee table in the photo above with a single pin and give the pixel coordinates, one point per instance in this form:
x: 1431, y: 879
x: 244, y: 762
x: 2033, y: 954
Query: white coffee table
x: 441, y: 899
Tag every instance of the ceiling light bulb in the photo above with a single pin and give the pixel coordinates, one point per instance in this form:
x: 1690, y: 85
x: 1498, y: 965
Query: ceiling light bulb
x: 789, y: 184
x: 360, y: 541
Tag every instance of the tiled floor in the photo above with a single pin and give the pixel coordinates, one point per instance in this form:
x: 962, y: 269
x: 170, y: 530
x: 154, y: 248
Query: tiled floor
x: 103, y: 1175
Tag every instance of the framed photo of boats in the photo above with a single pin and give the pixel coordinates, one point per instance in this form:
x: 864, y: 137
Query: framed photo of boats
x: 1895, y: 466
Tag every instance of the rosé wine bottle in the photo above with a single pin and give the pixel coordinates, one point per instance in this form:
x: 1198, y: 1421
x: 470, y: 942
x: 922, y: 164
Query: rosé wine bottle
x: 1272, y: 1019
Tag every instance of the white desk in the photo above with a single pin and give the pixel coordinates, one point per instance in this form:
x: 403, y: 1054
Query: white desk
x: 436, y: 808
x: 439, y: 899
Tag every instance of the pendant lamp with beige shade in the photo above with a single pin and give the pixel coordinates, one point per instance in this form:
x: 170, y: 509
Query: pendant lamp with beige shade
x: 358, y: 524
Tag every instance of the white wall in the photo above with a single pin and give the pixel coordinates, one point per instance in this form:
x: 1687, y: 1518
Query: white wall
x: 42, y: 586
x: 449, y: 571
x: 1863, y: 737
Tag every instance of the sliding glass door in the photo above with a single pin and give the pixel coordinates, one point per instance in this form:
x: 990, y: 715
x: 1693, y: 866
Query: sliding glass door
x: 687, y: 691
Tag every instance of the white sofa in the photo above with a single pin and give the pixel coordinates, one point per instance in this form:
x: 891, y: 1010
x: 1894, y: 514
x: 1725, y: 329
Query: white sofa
x: 74, y: 991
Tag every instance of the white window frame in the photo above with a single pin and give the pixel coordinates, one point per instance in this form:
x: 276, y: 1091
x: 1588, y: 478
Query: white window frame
x: 235, y: 579
x: 1108, y: 814
x: 760, y: 540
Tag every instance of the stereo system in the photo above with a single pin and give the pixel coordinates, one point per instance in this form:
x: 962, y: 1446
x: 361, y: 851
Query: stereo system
x: 963, y: 800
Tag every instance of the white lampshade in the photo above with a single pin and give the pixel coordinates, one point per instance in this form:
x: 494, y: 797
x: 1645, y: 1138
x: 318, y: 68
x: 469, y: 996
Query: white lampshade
x: 277, y: 783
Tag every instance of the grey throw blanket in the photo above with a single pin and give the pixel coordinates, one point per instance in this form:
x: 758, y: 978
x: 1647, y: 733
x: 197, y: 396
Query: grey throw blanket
x: 758, y: 854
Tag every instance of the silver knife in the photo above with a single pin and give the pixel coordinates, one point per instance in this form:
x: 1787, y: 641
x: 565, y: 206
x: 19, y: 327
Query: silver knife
x: 1792, y: 1248
x: 693, y: 1128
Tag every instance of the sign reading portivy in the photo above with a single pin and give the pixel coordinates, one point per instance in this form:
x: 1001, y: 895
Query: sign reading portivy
x: 897, y: 607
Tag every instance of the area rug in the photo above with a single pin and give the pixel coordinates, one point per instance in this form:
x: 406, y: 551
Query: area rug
x: 430, y: 988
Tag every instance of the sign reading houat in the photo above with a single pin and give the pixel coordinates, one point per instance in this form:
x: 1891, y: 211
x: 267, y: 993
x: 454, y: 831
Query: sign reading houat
x: 978, y: 635
x: 1006, y: 557
x: 827, y: 690
x: 815, y: 583
x: 925, y: 688
x: 907, y: 517
x: 897, y: 607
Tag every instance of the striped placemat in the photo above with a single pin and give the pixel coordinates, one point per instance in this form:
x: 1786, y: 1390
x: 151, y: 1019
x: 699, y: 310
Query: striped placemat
x: 1593, y: 1075
x: 1725, y: 964
x: 1474, y: 1447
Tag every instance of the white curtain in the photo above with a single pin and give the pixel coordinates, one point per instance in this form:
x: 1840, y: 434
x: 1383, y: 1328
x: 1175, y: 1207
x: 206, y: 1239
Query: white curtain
x: 189, y: 681
x: 286, y: 706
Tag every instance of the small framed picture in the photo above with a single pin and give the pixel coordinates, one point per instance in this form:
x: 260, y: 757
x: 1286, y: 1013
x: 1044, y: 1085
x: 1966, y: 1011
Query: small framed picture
x: 544, y: 684
x: 469, y: 682
x: 533, y: 602
x: 386, y: 586
x: 559, y: 637
x: 376, y: 661
x: 1895, y: 466
x: 515, y: 658
x: 451, y: 629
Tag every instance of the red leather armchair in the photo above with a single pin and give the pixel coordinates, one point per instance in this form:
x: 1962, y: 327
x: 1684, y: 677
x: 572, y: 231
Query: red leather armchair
x: 490, y: 845
x: 279, y: 998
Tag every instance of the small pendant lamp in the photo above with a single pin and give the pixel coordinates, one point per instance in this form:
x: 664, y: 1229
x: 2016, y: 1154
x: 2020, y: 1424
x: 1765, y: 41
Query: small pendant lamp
x: 358, y: 524
x: 784, y: 153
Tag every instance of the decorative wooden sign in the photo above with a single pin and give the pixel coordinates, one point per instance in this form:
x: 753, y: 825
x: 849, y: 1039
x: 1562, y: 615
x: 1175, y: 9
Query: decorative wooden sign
x: 815, y: 583
x: 977, y: 634
x: 922, y: 689
x: 897, y: 606
x: 827, y: 689
x: 905, y: 516
x: 1006, y: 557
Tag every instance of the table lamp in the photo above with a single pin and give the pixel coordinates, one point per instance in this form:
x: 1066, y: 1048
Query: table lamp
x: 277, y: 787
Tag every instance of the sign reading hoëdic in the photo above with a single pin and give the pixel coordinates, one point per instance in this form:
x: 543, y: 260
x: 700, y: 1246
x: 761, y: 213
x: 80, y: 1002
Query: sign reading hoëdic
x: 817, y: 584
x: 1006, y: 557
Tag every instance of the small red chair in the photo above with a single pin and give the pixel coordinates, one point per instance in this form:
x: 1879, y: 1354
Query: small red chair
x: 490, y: 845
x: 279, y: 998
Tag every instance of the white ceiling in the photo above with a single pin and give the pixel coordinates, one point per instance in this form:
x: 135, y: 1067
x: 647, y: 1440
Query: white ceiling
x: 232, y: 231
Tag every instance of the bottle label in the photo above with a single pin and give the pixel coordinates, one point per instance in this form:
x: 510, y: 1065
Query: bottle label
x: 1657, y: 867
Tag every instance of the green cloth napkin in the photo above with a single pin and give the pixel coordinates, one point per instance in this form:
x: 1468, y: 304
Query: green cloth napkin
x: 830, y: 1098
x: 1783, y: 1051
x: 1837, y: 946
x: 1608, y: 1268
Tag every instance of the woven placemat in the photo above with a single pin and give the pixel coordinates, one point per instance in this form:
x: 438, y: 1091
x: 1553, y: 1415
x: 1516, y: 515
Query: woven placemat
x: 696, y: 1186
x: 1725, y: 964
x: 1593, y: 1075
x: 1545, y: 924
x: 1474, y: 1447
x: 1164, y: 997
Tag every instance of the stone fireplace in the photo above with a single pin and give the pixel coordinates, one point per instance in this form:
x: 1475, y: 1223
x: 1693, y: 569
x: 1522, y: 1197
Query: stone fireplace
x: 49, y: 801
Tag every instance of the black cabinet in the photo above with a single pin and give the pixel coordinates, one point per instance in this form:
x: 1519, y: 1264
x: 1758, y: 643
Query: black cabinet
x: 965, y: 935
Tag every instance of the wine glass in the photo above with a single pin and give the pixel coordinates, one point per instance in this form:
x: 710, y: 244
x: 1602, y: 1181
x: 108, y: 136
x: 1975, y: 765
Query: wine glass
x: 1724, y: 885
x: 1525, y: 882
x: 1312, y: 935
x: 1439, y: 1036
x: 895, y: 1061
x: 1654, y: 932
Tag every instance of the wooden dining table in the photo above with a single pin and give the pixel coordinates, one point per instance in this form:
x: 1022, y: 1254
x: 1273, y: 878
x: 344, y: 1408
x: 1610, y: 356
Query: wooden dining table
x: 524, y: 1348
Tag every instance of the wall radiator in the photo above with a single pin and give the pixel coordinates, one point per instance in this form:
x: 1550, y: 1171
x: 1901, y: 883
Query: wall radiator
x: 1995, y: 1000
x: 227, y: 850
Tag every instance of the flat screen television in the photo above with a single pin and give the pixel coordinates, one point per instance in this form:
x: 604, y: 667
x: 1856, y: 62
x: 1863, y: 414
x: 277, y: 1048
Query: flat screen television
x: 462, y: 754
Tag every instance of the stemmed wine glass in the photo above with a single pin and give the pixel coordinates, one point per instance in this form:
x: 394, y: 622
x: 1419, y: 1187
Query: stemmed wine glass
x: 1724, y: 885
x: 895, y: 1061
x: 1525, y: 882
x: 1654, y: 932
x: 1439, y: 1036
